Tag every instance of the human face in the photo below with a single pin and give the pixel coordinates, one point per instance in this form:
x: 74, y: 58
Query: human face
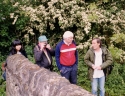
x: 95, y: 45
x: 68, y: 40
x: 42, y: 44
x: 18, y: 47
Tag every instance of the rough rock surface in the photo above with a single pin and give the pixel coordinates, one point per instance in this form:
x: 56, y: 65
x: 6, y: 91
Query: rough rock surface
x: 26, y: 79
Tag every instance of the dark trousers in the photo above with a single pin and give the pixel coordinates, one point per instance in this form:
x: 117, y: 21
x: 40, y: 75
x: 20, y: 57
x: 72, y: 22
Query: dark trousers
x: 70, y: 73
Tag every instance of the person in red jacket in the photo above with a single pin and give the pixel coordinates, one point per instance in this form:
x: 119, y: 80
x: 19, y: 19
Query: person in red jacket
x: 66, y: 57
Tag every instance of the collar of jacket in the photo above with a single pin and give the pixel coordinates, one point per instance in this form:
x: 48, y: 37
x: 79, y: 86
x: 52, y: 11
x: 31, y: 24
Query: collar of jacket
x: 103, y: 49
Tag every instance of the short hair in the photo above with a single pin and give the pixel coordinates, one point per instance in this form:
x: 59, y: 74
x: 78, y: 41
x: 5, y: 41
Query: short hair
x: 67, y: 34
x: 98, y: 40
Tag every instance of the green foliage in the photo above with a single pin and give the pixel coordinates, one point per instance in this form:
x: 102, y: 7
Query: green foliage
x: 118, y: 54
x: 2, y: 84
x: 83, y: 80
x: 115, y: 83
x: 29, y: 51
x: 117, y: 39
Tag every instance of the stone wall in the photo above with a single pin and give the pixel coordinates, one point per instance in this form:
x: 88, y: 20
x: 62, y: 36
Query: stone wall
x: 26, y: 79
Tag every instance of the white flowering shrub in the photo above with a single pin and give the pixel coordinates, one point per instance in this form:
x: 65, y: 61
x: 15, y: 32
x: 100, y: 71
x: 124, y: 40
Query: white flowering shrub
x: 86, y: 20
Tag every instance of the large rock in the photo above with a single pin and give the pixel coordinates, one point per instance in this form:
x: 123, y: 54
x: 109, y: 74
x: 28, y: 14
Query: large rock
x: 27, y: 79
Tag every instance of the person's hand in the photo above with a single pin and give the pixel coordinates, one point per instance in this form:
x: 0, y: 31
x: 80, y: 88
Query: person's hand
x: 42, y: 46
x: 48, y: 46
x: 98, y: 67
x: 3, y: 67
x: 93, y: 66
x: 60, y: 71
